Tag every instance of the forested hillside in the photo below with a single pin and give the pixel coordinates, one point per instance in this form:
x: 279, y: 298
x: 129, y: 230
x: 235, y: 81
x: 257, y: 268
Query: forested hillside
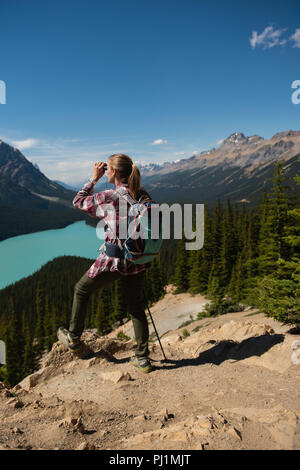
x: 32, y: 309
x: 249, y: 256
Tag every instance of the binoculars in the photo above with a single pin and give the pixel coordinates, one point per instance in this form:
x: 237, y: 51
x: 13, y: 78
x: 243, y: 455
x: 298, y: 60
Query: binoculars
x: 105, y: 167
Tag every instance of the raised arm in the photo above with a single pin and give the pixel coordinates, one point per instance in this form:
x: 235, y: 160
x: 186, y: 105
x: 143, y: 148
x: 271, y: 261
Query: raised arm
x: 93, y: 204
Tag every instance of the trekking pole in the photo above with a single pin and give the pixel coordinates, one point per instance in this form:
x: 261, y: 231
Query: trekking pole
x: 155, y: 328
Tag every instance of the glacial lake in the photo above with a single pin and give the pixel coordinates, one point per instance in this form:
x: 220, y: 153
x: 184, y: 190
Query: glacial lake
x: 23, y: 255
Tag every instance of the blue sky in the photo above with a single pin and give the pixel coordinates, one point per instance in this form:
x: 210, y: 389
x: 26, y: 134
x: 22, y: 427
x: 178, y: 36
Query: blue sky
x: 158, y: 80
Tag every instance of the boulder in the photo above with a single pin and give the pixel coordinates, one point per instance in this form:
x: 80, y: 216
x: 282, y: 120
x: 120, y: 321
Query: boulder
x: 116, y: 376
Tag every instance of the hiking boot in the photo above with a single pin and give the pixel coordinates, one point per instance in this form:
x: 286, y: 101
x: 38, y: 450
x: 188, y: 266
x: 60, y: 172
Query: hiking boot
x: 73, y: 343
x: 141, y: 363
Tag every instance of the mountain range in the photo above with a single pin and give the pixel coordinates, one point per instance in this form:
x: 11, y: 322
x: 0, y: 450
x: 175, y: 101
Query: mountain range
x: 239, y: 169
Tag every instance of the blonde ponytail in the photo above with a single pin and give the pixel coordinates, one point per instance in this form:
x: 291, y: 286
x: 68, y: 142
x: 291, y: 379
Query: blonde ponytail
x: 128, y: 173
x: 134, y: 181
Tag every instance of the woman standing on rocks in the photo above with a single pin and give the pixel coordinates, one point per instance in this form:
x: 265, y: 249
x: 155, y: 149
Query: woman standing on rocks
x: 105, y: 206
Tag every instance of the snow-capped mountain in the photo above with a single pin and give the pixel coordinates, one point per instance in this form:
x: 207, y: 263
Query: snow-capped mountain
x: 238, y: 169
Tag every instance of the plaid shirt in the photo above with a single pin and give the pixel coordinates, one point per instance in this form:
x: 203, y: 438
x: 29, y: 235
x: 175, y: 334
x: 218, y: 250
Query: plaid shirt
x: 97, y: 206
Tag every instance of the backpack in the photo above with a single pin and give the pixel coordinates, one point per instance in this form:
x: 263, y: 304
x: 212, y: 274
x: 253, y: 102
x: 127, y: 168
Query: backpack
x: 137, y: 250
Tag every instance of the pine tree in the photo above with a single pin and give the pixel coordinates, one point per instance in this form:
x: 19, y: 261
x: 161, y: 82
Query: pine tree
x: 201, y: 260
x: 214, y: 287
x: 29, y: 358
x: 167, y: 260
x: 229, y: 245
x: 237, y: 281
x: 54, y: 323
x: 278, y: 293
x: 181, y: 277
x: 13, y: 346
x: 39, y: 332
x: 156, y: 280
x: 47, y: 324
x: 250, y: 249
x: 241, y: 222
x: 195, y: 259
x: 217, y: 235
x: 272, y: 245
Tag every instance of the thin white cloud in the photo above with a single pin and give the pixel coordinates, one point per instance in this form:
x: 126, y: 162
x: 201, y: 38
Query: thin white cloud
x: 25, y: 144
x: 159, y: 142
x: 72, y: 160
x: 269, y: 38
x: 296, y: 38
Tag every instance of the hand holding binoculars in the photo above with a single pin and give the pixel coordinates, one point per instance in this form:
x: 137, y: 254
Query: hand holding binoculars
x: 99, y: 170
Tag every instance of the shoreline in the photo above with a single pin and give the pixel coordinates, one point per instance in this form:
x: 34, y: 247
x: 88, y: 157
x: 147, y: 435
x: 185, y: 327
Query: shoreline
x: 45, y: 230
x: 22, y: 257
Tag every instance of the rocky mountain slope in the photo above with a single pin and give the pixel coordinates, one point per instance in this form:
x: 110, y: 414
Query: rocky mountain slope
x: 29, y: 201
x: 239, y: 169
x: 228, y: 383
x: 20, y: 173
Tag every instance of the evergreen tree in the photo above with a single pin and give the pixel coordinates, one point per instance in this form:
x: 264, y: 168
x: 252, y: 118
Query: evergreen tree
x: 217, y: 236
x: 272, y: 246
x: 237, y: 281
x: 278, y: 292
x: 13, y: 346
x: 194, y: 281
x: 229, y: 245
x: 29, y: 357
x: 47, y: 324
x: 214, y: 287
x: 241, y: 222
x: 54, y: 322
x: 167, y: 260
x: 155, y: 275
x: 250, y: 249
x: 39, y: 332
x: 201, y: 260
x: 181, y: 277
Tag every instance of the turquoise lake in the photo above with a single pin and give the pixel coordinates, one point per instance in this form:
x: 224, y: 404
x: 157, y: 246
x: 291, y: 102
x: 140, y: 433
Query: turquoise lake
x: 21, y: 256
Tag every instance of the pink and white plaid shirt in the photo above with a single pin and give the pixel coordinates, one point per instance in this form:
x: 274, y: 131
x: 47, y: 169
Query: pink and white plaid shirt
x: 97, y: 206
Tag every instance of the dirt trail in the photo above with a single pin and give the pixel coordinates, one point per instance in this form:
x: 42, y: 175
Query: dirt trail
x: 230, y: 384
x: 170, y: 313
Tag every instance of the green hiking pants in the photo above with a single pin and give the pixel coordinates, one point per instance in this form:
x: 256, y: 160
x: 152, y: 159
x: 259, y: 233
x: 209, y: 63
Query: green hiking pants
x: 133, y: 287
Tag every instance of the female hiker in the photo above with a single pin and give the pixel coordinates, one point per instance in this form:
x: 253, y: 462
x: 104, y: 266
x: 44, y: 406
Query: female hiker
x: 105, y: 206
